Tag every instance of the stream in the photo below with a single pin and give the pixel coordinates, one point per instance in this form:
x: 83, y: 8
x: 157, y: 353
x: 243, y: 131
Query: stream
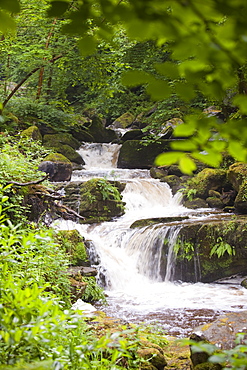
x: 131, y: 258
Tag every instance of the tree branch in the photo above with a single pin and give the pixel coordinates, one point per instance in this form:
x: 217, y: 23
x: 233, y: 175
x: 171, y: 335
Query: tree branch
x: 28, y: 183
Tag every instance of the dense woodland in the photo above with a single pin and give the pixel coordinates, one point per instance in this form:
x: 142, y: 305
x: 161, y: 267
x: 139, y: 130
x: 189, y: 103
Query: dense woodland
x: 62, y: 61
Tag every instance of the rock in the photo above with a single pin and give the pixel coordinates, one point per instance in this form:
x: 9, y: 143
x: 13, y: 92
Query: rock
x: 154, y: 356
x: 87, y: 309
x: 174, y: 182
x: 137, y: 154
x: 100, y: 201
x: 33, y: 133
x: 64, y: 144
x: 124, y: 121
x: 158, y: 172
x: 152, y: 221
x: 195, y: 203
x: 89, y: 271
x: 175, y: 170
x: 244, y: 283
x: 99, y: 133
x: 136, y: 134
x: 208, y: 179
x: 167, y: 133
x: 240, y: 202
x: 215, y: 202
x: 222, y: 332
x: 57, y: 166
x: 237, y: 173
x: 61, y: 138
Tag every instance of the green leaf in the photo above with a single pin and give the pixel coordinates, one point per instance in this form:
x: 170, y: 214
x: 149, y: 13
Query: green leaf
x: 168, y: 69
x: 212, y: 158
x: 184, y: 145
x: 241, y: 102
x: 159, y: 89
x: 166, y: 159
x: 187, y: 165
x: 6, y: 22
x: 185, y: 129
x: 134, y: 78
x: 236, y: 149
x: 12, y: 6
x: 87, y: 45
x: 57, y: 8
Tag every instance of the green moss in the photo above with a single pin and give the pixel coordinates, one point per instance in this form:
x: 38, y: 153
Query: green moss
x: 32, y: 132
x: 73, y: 243
x: 56, y: 157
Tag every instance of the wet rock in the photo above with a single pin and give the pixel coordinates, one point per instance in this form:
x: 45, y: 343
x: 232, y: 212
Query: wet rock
x: 136, y: 154
x: 99, y: 133
x: 135, y: 134
x: 240, y: 202
x: 222, y: 332
x: 158, y: 172
x: 154, y: 355
x: 175, y: 182
x: 124, y: 121
x: 244, y: 283
x: 237, y: 173
x: 215, y: 202
x: 152, y: 221
x: 57, y: 166
x: 196, y: 203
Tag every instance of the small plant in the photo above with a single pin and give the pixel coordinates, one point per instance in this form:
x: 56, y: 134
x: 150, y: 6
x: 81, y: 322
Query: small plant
x: 107, y: 190
x: 221, y: 247
x: 185, y: 250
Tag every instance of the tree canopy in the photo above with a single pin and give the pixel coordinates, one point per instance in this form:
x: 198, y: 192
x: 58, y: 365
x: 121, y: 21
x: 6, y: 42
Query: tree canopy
x: 207, y: 46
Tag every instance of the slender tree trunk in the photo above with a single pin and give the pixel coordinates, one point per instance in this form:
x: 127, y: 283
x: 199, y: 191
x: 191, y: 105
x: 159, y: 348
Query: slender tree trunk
x: 16, y: 88
x: 41, y: 73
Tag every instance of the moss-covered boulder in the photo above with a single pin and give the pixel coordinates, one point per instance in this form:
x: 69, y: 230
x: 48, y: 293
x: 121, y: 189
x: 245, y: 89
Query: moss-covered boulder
x: 213, y: 250
x: 206, y: 180
x: 135, y: 134
x: 139, y: 154
x: 124, y: 121
x: 65, y: 144
x: 33, y: 133
x: 100, y: 200
x: 57, y: 166
x: 237, y: 174
x: 99, y: 133
x: 61, y: 138
x: 240, y: 202
x: 73, y: 244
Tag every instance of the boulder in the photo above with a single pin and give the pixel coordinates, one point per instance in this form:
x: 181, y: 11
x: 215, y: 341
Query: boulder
x: 57, y: 166
x: 158, y: 172
x: 124, y: 121
x: 33, y: 133
x: 151, y: 221
x: 208, y: 179
x: 139, y: 154
x: 240, y: 202
x: 61, y: 138
x: 174, y: 182
x: 135, y: 134
x: 237, y: 173
x: 195, y: 203
x: 99, y: 133
x: 65, y: 144
x: 222, y: 332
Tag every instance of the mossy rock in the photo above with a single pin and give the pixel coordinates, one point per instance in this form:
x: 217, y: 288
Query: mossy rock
x: 99, y: 133
x: 69, y: 153
x: 206, y: 180
x: 73, y: 243
x: 154, y: 356
x: 152, y: 221
x: 140, y: 154
x: 158, y: 173
x: 240, y: 202
x: 100, y: 201
x: 62, y: 138
x: 135, y: 134
x: 215, y: 202
x: 124, y: 121
x: 195, y: 203
x: 237, y: 174
x: 57, y: 166
x: 33, y: 133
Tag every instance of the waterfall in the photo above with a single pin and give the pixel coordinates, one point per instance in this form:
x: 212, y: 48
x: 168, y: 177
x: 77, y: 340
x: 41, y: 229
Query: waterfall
x: 137, y: 264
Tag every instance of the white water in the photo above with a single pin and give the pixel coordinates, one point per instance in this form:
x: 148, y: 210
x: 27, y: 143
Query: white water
x: 132, y: 257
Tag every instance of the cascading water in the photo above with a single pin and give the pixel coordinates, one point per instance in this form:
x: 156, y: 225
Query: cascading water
x: 138, y: 274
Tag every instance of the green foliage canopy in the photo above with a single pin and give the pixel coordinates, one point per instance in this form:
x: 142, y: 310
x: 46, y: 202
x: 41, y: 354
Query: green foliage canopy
x: 207, y: 42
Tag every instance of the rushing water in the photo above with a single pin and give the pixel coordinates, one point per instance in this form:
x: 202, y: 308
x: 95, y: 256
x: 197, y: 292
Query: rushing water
x: 131, y: 258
